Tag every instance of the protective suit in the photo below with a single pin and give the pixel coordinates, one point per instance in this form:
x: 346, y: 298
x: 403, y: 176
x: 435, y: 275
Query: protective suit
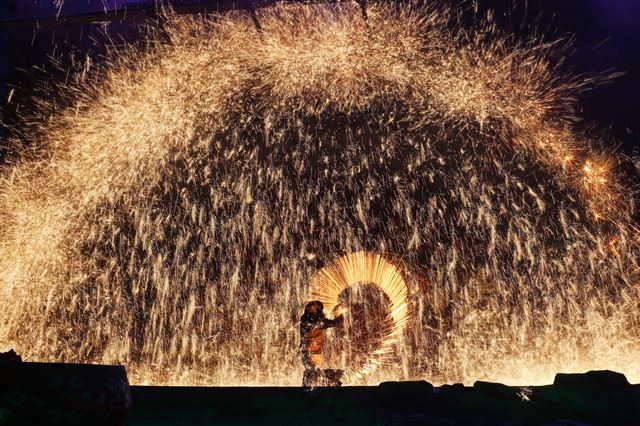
x: 313, y: 324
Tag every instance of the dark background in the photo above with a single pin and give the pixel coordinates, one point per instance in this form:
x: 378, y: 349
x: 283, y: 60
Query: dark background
x: 606, y: 32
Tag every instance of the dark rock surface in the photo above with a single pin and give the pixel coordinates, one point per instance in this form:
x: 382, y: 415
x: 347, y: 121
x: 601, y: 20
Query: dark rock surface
x: 33, y: 394
x: 594, y: 398
x: 73, y: 394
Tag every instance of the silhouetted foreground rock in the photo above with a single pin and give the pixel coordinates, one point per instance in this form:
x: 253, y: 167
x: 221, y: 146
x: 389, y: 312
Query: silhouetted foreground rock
x: 71, y: 394
x: 9, y: 360
x: 36, y: 394
x: 603, y: 396
x: 594, y: 398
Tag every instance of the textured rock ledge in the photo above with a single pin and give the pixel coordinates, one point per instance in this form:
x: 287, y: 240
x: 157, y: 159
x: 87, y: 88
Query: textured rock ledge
x: 76, y: 394
x: 594, y: 398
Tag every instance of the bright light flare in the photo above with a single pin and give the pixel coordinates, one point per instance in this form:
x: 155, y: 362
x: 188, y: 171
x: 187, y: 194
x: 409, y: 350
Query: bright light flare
x: 365, y: 267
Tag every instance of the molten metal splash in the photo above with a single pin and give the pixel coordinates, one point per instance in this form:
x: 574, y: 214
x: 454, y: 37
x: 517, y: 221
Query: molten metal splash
x: 328, y: 284
x: 162, y: 216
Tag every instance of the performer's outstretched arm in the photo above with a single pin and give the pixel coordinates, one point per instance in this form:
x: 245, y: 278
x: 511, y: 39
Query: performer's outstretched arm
x: 338, y: 320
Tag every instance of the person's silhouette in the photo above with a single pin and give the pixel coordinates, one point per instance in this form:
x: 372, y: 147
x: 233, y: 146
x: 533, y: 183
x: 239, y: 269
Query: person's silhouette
x: 313, y: 324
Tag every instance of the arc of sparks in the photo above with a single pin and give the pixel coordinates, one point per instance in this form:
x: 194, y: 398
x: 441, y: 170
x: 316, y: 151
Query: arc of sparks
x: 365, y: 267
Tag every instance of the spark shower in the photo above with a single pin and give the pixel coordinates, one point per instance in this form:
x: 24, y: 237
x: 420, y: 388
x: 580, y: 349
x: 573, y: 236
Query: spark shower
x: 170, y: 213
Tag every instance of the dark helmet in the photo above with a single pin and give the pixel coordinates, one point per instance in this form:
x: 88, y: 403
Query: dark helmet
x: 314, y: 308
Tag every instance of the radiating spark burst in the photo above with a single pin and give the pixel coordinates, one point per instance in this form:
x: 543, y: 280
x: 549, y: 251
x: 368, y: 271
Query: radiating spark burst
x: 159, y: 217
x: 329, y: 283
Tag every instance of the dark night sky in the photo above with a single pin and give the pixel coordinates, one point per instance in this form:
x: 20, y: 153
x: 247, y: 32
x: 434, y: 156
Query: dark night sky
x: 607, y: 38
x: 607, y: 34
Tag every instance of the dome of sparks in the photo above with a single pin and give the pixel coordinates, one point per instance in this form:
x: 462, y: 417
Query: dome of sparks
x: 163, y: 215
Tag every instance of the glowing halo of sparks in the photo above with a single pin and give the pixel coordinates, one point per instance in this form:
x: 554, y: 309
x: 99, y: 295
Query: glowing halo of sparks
x: 365, y: 267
